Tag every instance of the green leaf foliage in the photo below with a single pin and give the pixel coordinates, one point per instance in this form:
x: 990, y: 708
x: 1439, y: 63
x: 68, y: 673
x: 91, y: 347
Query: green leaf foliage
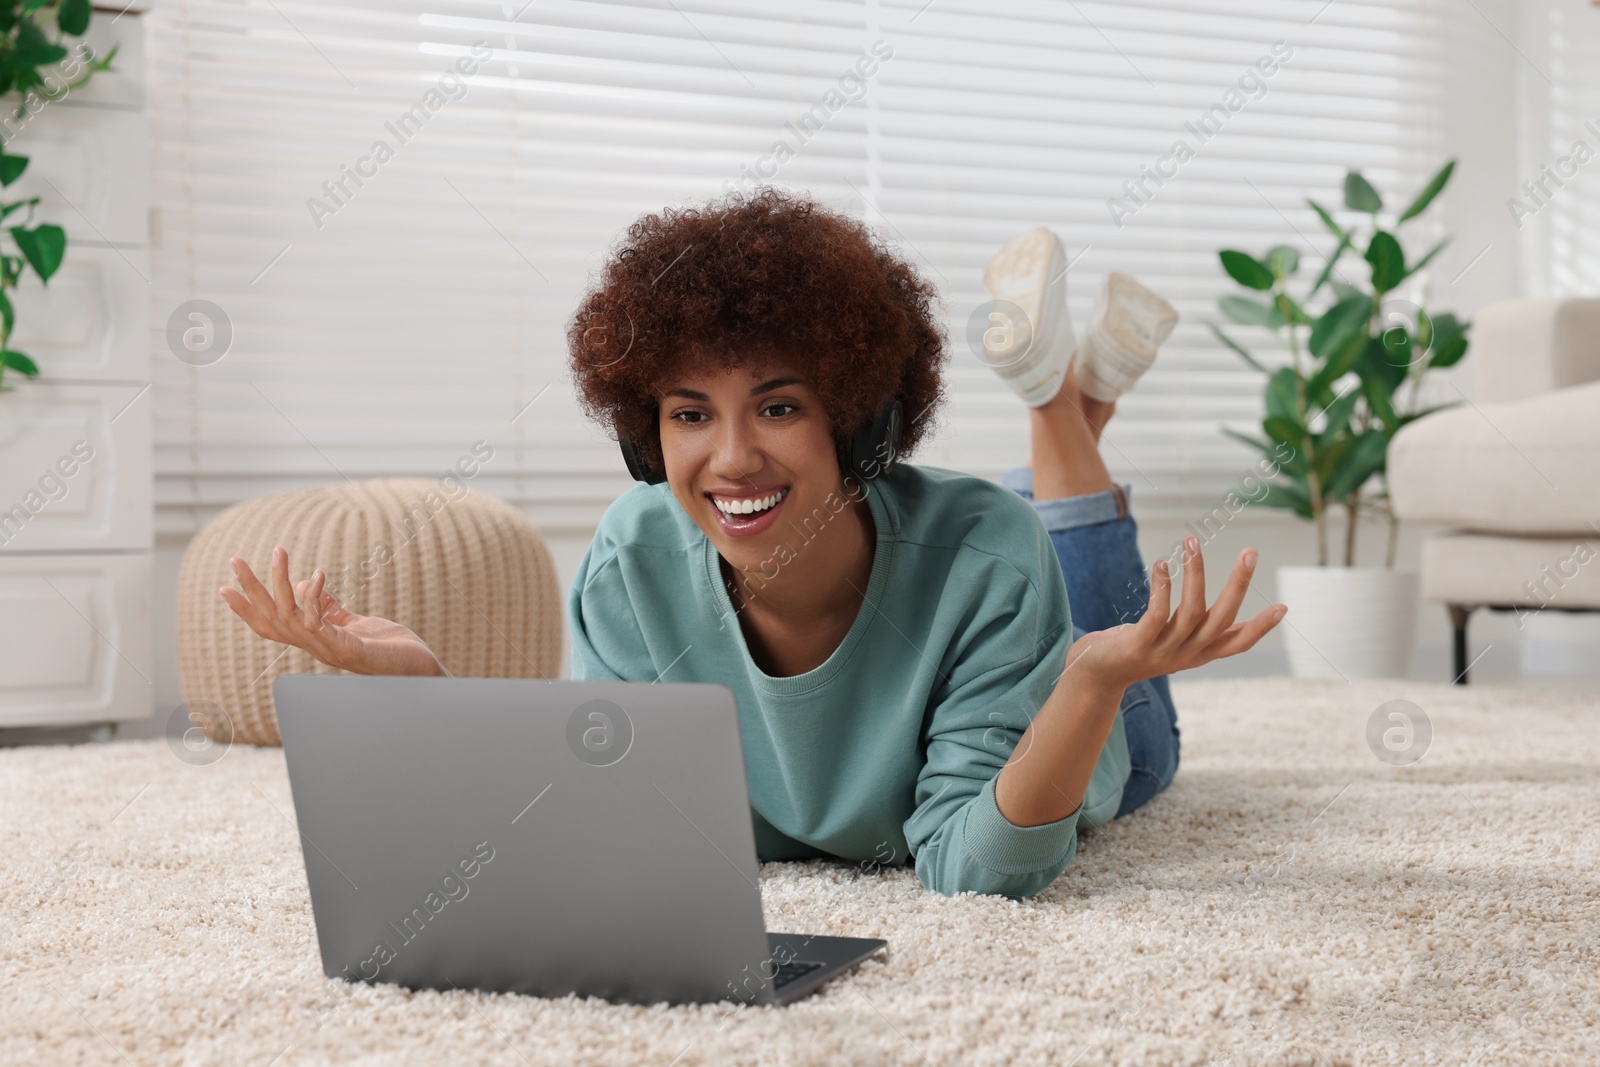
x: 1246, y: 269
x: 1327, y: 220
x: 1338, y: 324
x: 1435, y: 185
x: 1343, y: 360
x: 1249, y: 312
x: 1365, y: 458
x: 1449, y: 340
x: 1359, y: 195
x: 11, y: 168
x: 1283, y: 399
x: 7, y: 210
x: 33, y: 48
x: 1428, y: 257
x: 1380, y: 398
x: 1337, y: 418
x: 73, y: 17
x: 1293, y: 497
x: 1375, y: 364
x: 1388, y: 261
x: 1290, y: 311
x: 1285, y: 431
x: 1254, y: 442
x: 43, y: 246
x: 1237, y: 347
x: 18, y: 361
x: 1283, y: 261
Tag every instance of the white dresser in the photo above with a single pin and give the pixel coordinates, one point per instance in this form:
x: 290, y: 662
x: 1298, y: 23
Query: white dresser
x: 75, y: 457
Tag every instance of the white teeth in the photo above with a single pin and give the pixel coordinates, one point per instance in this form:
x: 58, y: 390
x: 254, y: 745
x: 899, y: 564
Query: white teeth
x: 749, y: 505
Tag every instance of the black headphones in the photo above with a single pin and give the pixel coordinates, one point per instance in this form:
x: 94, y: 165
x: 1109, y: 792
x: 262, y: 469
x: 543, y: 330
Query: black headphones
x: 872, y: 452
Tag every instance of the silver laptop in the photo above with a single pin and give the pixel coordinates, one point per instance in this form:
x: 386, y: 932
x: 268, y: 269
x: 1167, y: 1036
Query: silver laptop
x: 543, y: 837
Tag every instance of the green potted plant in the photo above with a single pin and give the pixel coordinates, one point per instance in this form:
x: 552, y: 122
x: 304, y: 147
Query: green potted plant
x: 1357, y: 347
x: 28, y: 56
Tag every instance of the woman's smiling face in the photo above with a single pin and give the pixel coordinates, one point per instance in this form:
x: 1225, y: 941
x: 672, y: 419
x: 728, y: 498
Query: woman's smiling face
x: 744, y: 450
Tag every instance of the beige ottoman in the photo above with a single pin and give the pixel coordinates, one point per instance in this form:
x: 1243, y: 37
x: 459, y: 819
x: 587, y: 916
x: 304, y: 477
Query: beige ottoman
x: 467, y: 572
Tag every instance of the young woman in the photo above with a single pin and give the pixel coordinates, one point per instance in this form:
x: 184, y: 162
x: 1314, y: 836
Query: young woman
x: 911, y: 687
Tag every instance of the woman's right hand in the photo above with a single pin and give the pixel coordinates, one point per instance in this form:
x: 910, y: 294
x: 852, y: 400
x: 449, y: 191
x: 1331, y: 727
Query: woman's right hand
x: 364, y: 644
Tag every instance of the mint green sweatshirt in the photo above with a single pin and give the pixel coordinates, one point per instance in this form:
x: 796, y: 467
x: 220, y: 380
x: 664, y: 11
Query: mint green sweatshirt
x: 887, y: 753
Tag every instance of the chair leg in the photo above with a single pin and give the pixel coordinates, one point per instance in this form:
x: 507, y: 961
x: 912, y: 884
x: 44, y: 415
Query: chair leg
x: 1459, y: 613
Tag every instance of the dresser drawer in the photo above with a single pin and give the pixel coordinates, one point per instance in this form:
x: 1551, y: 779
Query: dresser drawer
x: 75, y: 640
x: 92, y: 321
x: 74, y: 467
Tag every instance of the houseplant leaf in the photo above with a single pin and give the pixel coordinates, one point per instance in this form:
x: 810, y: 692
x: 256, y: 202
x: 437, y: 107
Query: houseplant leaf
x: 1427, y: 257
x: 33, y: 48
x: 17, y: 205
x: 18, y: 361
x: 1365, y: 458
x: 1337, y: 417
x: 11, y: 168
x: 1285, y: 431
x: 1249, y: 312
x: 43, y: 246
x: 1329, y: 267
x: 1290, y: 311
x: 1327, y: 220
x: 8, y: 315
x: 1293, y: 497
x: 1339, y: 323
x: 1449, y: 340
x: 1294, y: 465
x: 1388, y: 261
x: 1429, y: 191
x: 73, y: 17
x: 1254, y: 442
x: 1246, y: 269
x: 1342, y: 361
x: 1283, y: 261
x: 1359, y: 195
x: 1282, y: 395
x: 1330, y: 454
x: 1374, y: 364
x: 1237, y: 347
x: 1380, y: 399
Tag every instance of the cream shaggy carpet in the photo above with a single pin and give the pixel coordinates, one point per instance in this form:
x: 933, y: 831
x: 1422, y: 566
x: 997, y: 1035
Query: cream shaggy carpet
x: 1292, y: 899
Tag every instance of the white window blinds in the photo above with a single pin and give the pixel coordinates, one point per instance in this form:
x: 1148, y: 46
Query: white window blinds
x: 397, y: 204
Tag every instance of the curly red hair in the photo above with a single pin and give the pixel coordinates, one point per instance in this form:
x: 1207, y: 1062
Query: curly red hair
x: 749, y: 276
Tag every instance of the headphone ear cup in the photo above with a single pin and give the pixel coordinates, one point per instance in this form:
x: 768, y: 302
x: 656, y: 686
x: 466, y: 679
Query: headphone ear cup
x: 641, y: 471
x: 876, y: 449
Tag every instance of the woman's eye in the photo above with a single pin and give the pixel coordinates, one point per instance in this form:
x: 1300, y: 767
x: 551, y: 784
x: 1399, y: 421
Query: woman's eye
x: 780, y: 413
x: 688, y: 418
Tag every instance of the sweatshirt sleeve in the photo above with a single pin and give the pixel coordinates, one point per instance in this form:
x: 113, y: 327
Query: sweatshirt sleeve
x: 607, y: 642
x: 1003, y: 673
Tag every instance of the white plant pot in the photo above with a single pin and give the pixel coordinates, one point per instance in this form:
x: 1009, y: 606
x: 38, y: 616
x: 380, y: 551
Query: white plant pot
x: 1349, y: 622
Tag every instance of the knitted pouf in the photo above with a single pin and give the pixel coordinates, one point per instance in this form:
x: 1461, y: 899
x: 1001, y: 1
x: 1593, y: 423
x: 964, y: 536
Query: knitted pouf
x: 468, y: 573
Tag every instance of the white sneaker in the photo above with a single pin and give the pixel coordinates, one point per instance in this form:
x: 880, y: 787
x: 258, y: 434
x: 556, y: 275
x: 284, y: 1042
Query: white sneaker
x: 1119, y: 344
x: 1032, y: 354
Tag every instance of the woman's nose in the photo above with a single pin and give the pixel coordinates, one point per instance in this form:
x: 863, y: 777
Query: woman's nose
x: 736, y: 450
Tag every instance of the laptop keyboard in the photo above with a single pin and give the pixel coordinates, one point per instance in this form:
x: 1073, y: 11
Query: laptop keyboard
x: 788, y: 972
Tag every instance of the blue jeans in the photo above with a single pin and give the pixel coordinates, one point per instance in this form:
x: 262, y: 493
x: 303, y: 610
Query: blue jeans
x: 1097, y: 544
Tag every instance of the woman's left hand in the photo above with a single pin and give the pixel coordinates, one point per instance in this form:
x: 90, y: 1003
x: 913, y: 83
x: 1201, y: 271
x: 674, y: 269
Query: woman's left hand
x: 1165, y: 641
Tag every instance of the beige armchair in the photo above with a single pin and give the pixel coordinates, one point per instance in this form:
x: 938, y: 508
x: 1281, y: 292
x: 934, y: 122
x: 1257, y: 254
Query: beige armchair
x: 1514, y: 471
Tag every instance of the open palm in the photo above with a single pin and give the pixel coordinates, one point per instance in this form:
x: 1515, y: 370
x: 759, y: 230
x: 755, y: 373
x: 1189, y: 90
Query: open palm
x: 364, y: 644
x: 1164, y: 641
